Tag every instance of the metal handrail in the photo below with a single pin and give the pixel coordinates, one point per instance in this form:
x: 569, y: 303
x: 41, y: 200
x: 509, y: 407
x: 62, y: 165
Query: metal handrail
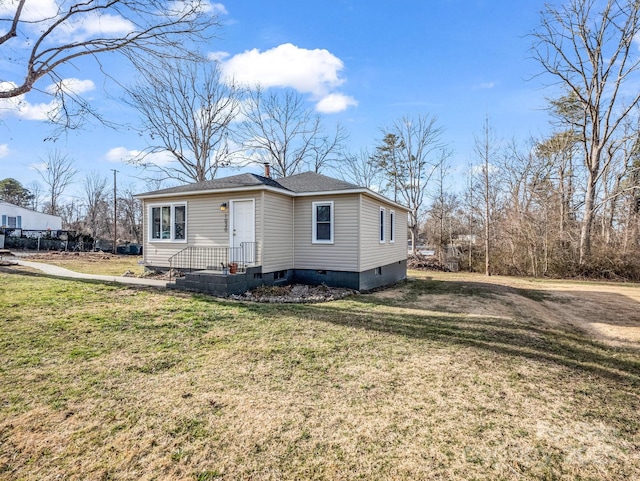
x: 195, y: 258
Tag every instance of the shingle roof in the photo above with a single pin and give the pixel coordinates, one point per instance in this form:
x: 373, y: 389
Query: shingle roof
x: 234, y: 181
x: 305, y: 183
x: 312, y: 182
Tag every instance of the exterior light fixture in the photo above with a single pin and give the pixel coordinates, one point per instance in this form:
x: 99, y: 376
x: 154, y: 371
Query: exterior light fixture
x: 223, y: 207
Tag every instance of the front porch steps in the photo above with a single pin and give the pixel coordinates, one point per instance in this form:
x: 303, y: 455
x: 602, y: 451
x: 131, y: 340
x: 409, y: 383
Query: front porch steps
x: 219, y: 284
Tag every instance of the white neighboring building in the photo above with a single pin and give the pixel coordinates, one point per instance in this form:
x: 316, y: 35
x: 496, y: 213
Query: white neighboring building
x: 15, y: 217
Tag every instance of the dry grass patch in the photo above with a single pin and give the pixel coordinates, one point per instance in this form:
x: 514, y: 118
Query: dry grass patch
x: 109, y: 382
x: 91, y: 262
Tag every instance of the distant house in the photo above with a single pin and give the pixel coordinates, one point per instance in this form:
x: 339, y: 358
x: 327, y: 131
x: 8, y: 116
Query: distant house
x: 247, y: 230
x: 15, y: 217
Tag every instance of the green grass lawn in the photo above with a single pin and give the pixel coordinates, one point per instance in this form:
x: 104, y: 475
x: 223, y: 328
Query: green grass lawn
x: 99, y: 381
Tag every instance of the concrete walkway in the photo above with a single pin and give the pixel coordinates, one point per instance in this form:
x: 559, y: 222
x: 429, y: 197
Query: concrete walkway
x: 62, y: 272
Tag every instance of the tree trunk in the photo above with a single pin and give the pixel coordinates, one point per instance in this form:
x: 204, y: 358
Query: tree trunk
x: 587, y: 221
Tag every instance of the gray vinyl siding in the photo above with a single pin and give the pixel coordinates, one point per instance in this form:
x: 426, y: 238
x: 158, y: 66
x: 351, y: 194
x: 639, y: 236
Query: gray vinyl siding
x: 342, y: 255
x: 278, y: 232
x: 373, y: 253
x: 205, y: 225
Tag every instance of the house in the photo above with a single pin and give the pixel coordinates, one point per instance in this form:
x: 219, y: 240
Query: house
x: 247, y: 230
x: 16, y: 217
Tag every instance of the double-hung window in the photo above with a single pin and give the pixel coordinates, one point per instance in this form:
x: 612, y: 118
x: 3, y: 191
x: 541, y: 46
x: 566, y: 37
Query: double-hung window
x: 392, y: 226
x: 168, y: 222
x: 381, y: 225
x: 322, y: 223
x: 12, y: 222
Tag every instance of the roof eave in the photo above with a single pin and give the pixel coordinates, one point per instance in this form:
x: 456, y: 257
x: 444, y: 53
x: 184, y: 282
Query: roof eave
x: 249, y: 188
x: 361, y: 190
x: 212, y: 191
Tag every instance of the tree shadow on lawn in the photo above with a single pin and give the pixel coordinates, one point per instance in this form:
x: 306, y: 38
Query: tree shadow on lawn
x: 560, y: 345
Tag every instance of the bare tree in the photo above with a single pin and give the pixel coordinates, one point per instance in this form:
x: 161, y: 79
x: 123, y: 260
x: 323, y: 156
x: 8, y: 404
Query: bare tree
x: 442, y: 207
x: 71, y: 213
x: 97, y: 204
x: 57, y: 172
x: 130, y: 215
x: 187, y: 111
x: 40, y: 42
x: 590, y: 53
x: 417, y: 152
x: 359, y: 169
x: 485, y: 149
x: 35, y: 188
x: 278, y: 129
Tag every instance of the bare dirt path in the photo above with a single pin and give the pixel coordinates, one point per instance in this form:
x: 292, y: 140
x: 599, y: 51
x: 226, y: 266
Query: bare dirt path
x: 609, y: 311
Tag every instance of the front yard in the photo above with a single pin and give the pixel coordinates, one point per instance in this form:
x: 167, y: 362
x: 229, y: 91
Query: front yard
x: 433, y: 379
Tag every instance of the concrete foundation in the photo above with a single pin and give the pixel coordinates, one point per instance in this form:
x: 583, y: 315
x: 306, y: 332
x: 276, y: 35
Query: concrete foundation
x: 227, y: 284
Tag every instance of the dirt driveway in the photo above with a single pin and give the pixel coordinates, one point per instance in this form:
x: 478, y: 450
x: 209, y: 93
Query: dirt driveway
x: 609, y: 311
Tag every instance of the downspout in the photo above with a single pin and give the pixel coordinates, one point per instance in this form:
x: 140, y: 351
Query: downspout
x: 293, y: 233
x: 358, y: 235
x: 262, y: 228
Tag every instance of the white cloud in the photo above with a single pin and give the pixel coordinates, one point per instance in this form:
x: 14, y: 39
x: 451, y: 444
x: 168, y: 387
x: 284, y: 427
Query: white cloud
x: 94, y: 25
x: 20, y: 107
x: 218, y: 56
x: 121, y: 154
x: 34, y: 10
x: 106, y: 24
x: 314, y: 72
x: 40, y: 14
x: 334, y: 103
x: 181, y: 7
x: 485, y: 86
x: 124, y: 155
x: 215, y: 8
x: 72, y: 86
x: 307, y: 71
x: 4, y: 150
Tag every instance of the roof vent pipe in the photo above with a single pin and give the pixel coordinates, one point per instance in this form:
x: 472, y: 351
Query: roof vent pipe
x: 267, y: 170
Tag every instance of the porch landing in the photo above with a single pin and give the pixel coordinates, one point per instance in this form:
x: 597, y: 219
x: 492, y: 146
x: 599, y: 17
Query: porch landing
x: 217, y: 283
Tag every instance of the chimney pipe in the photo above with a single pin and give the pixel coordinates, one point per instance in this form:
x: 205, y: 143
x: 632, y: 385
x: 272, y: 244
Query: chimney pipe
x: 267, y: 170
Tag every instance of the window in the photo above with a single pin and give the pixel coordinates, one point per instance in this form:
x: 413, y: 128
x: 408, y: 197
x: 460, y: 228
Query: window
x: 381, y: 225
x: 322, y: 223
x: 168, y: 222
x: 12, y: 222
x: 180, y: 222
x: 392, y: 226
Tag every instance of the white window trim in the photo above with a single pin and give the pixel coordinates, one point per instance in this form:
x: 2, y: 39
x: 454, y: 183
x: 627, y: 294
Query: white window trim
x: 314, y: 240
x: 172, y: 222
x: 382, y: 228
x: 392, y: 227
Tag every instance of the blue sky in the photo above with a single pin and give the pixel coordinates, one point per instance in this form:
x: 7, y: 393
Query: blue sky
x: 363, y: 64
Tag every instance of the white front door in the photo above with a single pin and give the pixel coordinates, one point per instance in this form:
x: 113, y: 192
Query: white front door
x: 242, y: 232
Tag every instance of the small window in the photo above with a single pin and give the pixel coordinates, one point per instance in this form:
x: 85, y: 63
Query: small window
x: 168, y: 222
x: 279, y: 275
x: 322, y: 223
x: 12, y: 222
x: 377, y: 271
x: 392, y: 226
x: 180, y: 221
x: 381, y: 225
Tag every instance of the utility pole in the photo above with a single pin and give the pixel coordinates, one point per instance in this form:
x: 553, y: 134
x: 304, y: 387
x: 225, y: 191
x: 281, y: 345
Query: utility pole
x: 115, y: 213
